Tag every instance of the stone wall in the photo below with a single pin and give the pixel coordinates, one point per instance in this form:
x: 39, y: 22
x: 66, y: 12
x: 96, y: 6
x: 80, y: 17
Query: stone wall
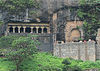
x: 98, y: 51
x: 76, y: 50
x: 45, y: 43
x: 98, y: 45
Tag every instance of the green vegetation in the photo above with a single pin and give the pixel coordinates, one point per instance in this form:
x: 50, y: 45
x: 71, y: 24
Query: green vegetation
x: 22, y: 48
x: 71, y: 65
x: 90, y: 2
x: 47, y: 62
x: 81, y: 65
x: 89, y: 65
x: 89, y: 12
x: 39, y: 62
x: 6, y: 65
x: 20, y: 53
x: 17, y: 49
x: 43, y: 62
x: 16, y: 6
x: 7, y: 40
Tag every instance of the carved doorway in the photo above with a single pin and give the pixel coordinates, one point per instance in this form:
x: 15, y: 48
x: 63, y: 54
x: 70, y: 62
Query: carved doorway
x: 75, y: 35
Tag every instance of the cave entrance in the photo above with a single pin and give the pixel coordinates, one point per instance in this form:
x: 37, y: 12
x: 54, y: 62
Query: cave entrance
x: 11, y: 30
x: 34, y: 30
x: 21, y: 30
x: 28, y: 30
x: 45, y: 30
x: 16, y: 30
x: 39, y: 30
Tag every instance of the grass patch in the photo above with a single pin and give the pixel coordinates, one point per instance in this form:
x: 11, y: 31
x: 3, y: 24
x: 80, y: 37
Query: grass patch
x: 6, y: 65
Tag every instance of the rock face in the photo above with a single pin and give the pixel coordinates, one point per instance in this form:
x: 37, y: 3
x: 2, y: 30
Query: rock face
x: 48, y: 7
x: 53, y: 4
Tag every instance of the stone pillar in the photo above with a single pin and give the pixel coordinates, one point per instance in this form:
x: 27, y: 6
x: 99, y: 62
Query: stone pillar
x: 48, y: 30
x: 8, y: 29
x: 19, y: 29
x: 32, y: 29
x: 37, y: 29
x: 13, y: 29
x: 42, y: 29
x: 24, y: 27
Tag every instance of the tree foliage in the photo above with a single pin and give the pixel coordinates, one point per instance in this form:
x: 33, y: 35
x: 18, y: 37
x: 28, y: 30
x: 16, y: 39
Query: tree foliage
x: 18, y: 48
x: 89, y: 11
x: 6, y: 41
x: 43, y: 62
x: 16, y: 6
